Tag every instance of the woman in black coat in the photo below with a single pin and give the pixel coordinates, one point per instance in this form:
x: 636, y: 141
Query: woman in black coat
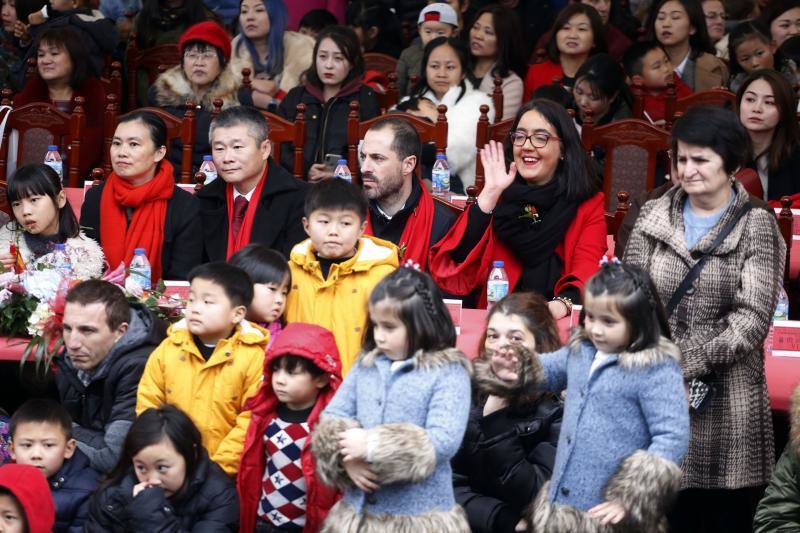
x: 165, y: 481
x: 332, y: 82
x: 510, y: 444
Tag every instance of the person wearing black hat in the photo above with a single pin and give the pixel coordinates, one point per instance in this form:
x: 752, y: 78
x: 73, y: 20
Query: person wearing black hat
x: 202, y: 76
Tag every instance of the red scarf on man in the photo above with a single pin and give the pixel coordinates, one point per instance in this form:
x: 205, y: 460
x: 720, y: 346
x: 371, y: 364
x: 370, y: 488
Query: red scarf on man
x: 146, y: 230
x: 243, y: 238
x: 415, y: 241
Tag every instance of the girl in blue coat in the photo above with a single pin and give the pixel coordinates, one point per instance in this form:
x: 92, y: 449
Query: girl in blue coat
x: 387, y: 437
x: 626, y: 418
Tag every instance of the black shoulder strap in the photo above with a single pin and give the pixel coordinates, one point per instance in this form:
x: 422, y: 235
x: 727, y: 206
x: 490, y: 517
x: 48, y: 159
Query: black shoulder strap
x: 687, y: 282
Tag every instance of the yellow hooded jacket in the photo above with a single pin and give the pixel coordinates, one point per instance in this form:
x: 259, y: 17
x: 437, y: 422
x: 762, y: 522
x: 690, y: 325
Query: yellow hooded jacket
x: 213, y: 393
x: 338, y: 303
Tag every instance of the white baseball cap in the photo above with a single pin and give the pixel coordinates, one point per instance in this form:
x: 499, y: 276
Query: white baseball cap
x: 439, y: 12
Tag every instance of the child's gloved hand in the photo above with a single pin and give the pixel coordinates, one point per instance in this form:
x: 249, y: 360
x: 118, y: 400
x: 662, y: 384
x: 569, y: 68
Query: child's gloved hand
x: 360, y: 474
x: 607, y: 513
x: 353, y: 444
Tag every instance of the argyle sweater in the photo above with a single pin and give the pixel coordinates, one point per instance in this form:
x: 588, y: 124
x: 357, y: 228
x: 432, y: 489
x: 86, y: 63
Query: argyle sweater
x: 283, y: 492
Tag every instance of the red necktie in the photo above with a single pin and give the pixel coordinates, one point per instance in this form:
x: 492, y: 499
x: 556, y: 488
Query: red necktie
x: 239, y: 209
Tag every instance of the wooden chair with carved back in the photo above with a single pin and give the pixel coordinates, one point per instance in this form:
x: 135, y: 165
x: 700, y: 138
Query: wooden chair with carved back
x: 785, y: 222
x: 152, y: 60
x: 497, y: 98
x: 110, y: 115
x: 113, y: 83
x: 614, y: 220
x: 39, y: 125
x: 487, y: 132
x: 675, y: 107
x: 380, y: 62
x: 388, y: 99
x: 632, y: 148
x: 181, y: 130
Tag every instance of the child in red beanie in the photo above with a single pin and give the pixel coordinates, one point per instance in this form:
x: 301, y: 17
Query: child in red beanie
x: 25, y: 499
x: 277, y: 482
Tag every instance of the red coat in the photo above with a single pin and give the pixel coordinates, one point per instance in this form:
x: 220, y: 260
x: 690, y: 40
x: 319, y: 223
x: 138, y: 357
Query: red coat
x: 583, y: 246
x: 318, y: 345
x: 92, y: 90
x: 655, y: 105
x: 541, y: 74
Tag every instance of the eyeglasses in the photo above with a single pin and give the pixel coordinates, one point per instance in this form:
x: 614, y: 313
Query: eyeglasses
x: 538, y: 139
x: 194, y: 56
x: 714, y: 16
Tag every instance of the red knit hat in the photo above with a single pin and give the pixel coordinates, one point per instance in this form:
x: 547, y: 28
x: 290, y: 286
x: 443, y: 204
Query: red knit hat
x: 28, y: 485
x: 207, y: 32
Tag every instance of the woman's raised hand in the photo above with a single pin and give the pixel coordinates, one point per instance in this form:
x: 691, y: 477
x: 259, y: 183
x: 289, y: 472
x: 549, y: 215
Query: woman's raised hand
x: 497, y: 178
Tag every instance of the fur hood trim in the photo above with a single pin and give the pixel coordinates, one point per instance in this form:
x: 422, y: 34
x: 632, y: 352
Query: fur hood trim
x: 173, y: 89
x: 524, y: 390
x: 426, y: 360
x: 325, y: 447
x: 400, y: 453
x: 343, y: 518
x: 666, y: 349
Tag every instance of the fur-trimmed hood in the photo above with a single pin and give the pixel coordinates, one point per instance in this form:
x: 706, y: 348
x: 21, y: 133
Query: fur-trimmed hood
x: 666, y: 349
x: 425, y: 360
x: 173, y: 89
x: 525, y: 390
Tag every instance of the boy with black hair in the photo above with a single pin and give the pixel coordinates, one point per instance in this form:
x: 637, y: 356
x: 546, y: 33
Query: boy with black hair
x: 647, y: 63
x: 277, y: 481
x: 315, y: 21
x: 25, y: 502
x: 335, y: 269
x: 41, y: 436
x: 210, y: 363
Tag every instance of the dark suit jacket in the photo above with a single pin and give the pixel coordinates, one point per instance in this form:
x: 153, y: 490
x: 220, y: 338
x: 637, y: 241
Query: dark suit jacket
x: 278, y: 219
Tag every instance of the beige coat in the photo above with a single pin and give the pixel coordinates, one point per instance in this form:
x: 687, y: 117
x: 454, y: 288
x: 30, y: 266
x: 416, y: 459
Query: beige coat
x: 298, y: 51
x: 720, y: 328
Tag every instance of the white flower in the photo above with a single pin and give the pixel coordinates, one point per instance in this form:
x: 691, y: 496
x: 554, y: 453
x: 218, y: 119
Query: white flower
x: 8, y: 277
x: 38, y: 318
x: 43, y: 284
x: 133, y: 288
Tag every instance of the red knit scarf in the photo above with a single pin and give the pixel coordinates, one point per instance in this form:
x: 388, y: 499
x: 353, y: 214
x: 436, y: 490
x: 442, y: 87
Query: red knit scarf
x: 243, y: 238
x: 415, y: 241
x: 146, y: 230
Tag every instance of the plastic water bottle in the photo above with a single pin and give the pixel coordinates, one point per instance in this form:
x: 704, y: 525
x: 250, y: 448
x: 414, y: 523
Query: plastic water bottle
x: 61, y: 262
x: 208, y: 169
x: 497, y: 286
x: 441, y: 176
x: 782, y: 309
x: 342, y: 171
x: 140, y: 269
x: 53, y: 160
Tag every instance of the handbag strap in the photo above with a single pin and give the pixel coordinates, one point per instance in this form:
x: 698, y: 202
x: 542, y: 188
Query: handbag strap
x: 693, y: 274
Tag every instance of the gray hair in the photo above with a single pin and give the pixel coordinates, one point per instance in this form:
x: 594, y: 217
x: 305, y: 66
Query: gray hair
x: 240, y: 115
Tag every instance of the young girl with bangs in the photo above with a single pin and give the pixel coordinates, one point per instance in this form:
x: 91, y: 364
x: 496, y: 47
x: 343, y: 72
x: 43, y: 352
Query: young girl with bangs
x: 42, y: 219
x: 750, y: 49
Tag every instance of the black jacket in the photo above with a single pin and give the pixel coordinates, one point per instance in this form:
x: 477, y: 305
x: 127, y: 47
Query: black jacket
x: 183, y: 243
x: 504, y: 460
x: 104, y: 409
x: 72, y: 487
x: 326, y: 122
x: 209, y: 504
x: 278, y: 219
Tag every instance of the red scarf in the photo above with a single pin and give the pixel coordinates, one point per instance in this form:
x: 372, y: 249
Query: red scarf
x: 243, y: 238
x: 415, y: 241
x: 146, y: 230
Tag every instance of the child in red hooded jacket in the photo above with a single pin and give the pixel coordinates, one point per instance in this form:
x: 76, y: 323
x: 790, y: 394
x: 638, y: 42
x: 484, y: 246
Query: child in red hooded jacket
x: 277, y: 483
x: 25, y: 500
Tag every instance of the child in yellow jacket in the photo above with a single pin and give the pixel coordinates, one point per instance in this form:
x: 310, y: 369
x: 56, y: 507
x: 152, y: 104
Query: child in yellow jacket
x: 336, y: 268
x: 210, y: 364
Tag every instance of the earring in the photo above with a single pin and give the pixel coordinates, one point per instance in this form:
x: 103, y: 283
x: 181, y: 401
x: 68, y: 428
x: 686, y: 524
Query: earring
x: 733, y: 178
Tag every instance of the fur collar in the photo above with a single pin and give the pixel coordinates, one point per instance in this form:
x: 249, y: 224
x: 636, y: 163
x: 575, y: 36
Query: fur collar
x: 173, y: 89
x: 523, y: 391
x: 425, y: 360
x: 664, y: 351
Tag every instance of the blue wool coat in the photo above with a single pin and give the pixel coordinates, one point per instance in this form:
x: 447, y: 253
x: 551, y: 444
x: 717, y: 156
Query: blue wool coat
x: 633, y: 401
x: 72, y: 487
x: 430, y: 391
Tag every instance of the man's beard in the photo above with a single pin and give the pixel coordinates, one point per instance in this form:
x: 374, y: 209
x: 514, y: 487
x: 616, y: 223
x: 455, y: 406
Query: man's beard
x: 382, y: 189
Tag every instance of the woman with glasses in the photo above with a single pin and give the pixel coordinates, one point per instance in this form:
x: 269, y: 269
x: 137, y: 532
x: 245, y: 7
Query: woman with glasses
x: 540, y: 211
x: 714, y: 13
x: 202, y: 76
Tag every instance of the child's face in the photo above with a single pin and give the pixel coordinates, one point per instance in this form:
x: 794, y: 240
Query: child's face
x: 503, y: 331
x: 672, y: 26
x: 431, y: 29
x: 12, y: 518
x: 334, y: 233
x: 606, y: 327
x: 38, y: 214
x: 63, y: 5
x: 269, y: 301
x: 444, y: 70
x: 43, y: 445
x: 160, y: 465
x: 590, y: 101
x: 656, y: 69
x: 209, y: 312
x: 753, y: 54
x: 298, y: 388
x: 575, y: 37
x: 389, y: 332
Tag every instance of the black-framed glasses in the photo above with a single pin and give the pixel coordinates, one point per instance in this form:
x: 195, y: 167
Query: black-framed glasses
x: 538, y: 139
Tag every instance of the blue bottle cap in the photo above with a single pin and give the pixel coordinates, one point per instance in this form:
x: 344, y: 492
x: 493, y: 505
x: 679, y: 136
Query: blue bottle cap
x: 206, y: 158
x: 342, y: 162
x: 499, y: 264
x: 139, y: 251
x: 441, y: 156
x: 60, y: 246
x: 52, y: 148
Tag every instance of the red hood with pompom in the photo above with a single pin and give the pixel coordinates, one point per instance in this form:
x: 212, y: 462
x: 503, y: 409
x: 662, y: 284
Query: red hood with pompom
x: 29, y: 486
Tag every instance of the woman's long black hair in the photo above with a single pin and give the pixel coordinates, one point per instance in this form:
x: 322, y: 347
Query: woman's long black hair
x: 38, y: 179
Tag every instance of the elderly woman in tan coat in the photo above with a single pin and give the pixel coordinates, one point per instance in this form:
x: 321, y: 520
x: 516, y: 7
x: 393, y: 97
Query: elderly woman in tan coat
x: 720, y: 320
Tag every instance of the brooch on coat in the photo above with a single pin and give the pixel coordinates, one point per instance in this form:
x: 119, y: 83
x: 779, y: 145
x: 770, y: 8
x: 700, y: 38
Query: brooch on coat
x: 529, y: 212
